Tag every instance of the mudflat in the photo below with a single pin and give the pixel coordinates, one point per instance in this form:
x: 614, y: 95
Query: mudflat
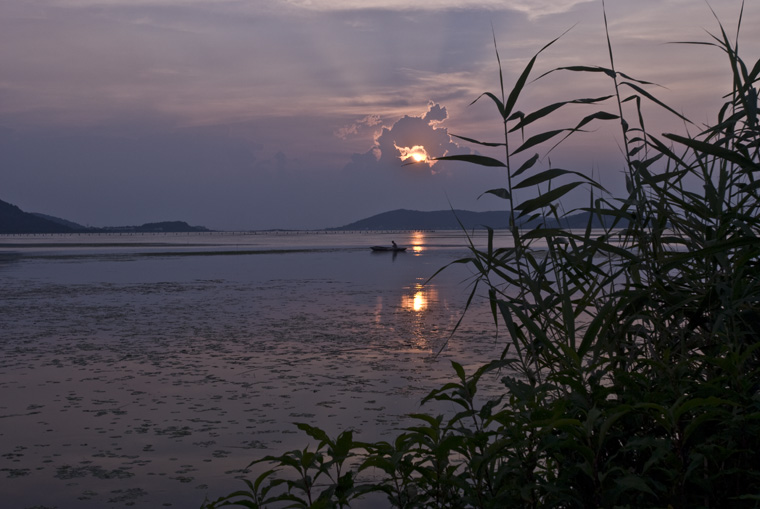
x: 152, y: 381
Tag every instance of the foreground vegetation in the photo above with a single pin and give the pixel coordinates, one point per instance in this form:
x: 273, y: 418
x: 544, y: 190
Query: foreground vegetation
x: 636, y: 347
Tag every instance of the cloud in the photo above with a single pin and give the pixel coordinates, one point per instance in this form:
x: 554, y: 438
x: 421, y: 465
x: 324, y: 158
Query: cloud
x: 347, y: 131
x: 532, y: 8
x: 377, y: 180
x: 421, y: 134
x: 535, y: 7
x: 436, y: 113
x: 411, y: 133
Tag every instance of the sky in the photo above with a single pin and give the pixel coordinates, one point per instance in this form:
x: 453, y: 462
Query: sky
x: 262, y: 114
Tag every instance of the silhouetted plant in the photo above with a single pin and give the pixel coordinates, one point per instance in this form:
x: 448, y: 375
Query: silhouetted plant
x: 634, y: 343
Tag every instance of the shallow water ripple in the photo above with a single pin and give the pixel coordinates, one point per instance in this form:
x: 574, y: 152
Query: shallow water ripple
x: 157, y: 394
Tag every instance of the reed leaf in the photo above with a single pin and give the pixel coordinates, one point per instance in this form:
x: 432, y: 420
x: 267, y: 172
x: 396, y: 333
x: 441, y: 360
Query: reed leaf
x: 520, y: 84
x: 526, y: 166
x: 501, y: 193
x: 473, y: 159
x: 631, y: 360
x: 547, y: 110
x: 652, y: 98
x: 477, y: 142
x: 537, y: 140
x: 715, y: 150
x: 545, y: 199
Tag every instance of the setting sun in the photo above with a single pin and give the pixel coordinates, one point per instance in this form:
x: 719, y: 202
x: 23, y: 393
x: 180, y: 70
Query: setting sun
x: 417, y: 154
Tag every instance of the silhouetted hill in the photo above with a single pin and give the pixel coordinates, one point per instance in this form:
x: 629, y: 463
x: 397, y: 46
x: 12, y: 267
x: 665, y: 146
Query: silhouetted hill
x: 164, y: 226
x: 13, y: 220
x: 403, y: 219
x: 64, y: 222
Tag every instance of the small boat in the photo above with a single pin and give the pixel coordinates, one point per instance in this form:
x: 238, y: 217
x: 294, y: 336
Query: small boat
x: 386, y: 248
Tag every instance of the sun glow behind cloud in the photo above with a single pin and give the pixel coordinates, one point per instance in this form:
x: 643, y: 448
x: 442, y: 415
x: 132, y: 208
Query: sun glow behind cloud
x: 413, y: 139
x: 417, y: 154
x: 273, y: 95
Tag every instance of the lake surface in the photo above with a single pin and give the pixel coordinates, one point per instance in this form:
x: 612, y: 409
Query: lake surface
x: 148, y: 370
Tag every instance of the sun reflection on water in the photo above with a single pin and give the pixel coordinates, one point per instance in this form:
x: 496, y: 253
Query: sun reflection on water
x: 416, y: 302
x: 417, y: 241
x: 419, y: 299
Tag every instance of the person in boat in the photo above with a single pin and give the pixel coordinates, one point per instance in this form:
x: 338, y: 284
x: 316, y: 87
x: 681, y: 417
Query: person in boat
x: 394, y: 244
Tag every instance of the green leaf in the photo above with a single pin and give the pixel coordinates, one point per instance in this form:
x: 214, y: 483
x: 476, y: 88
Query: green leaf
x: 314, y: 432
x: 459, y: 369
x: 698, y: 404
x: 632, y: 482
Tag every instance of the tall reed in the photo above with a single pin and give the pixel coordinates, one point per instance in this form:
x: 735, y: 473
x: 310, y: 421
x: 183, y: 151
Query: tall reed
x: 636, y: 340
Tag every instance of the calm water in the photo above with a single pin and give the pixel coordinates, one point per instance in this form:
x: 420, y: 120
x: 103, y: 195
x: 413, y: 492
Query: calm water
x: 149, y: 370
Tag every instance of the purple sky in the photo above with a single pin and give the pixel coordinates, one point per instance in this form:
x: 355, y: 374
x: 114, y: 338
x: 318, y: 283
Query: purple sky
x: 255, y: 114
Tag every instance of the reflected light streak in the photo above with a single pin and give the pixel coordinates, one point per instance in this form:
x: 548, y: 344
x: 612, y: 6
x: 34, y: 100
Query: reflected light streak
x: 417, y: 303
x: 420, y: 300
x: 418, y: 241
x: 378, y: 309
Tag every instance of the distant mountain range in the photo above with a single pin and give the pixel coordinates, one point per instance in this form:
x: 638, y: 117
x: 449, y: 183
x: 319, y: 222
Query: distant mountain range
x: 15, y: 220
x: 403, y: 219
